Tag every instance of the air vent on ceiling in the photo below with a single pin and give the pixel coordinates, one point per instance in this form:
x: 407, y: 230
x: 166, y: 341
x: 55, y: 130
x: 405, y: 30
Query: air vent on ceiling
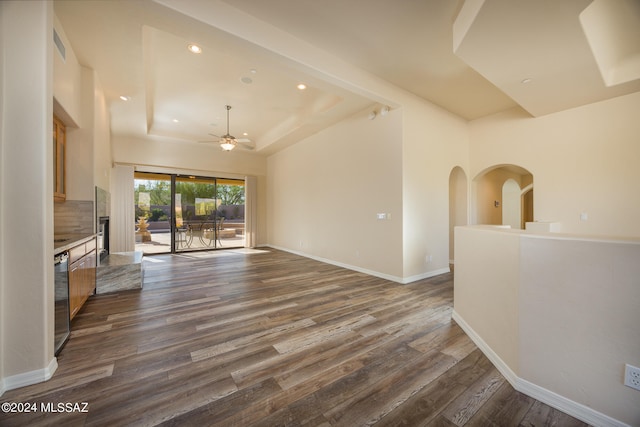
x: 59, y: 45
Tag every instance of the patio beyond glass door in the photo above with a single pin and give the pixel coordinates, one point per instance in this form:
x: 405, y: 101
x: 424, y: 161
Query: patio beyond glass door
x: 196, y: 216
x: 153, y: 217
x: 177, y: 213
x: 231, y: 213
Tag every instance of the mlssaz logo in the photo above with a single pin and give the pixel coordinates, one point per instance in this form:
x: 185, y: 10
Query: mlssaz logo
x: 64, y: 407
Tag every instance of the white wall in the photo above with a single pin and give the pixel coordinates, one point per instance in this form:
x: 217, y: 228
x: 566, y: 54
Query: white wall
x: 324, y: 194
x: 26, y: 244
x: 81, y: 104
x: 485, y: 291
x: 102, y: 160
x: 67, y: 82
x: 80, y: 143
x: 558, y: 314
x: 155, y: 151
x: 582, y: 160
x: 435, y: 142
x: 458, y: 205
x: 580, y: 321
x: 397, y: 164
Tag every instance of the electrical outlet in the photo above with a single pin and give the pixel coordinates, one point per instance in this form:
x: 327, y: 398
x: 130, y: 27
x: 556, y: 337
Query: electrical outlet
x: 632, y: 376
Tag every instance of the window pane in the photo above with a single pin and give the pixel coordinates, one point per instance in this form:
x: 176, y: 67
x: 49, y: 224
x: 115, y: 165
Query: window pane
x: 208, y: 213
x: 152, y: 213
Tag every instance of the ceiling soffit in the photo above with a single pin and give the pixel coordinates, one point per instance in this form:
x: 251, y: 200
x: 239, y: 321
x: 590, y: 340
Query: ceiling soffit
x: 537, y: 52
x: 612, y: 30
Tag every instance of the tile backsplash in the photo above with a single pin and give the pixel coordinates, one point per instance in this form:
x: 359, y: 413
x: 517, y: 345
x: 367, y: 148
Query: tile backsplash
x: 73, y: 216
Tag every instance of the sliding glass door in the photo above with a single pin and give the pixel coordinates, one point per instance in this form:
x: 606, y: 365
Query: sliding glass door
x: 231, y: 213
x: 152, y: 193
x: 177, y: 213
x: 196, y: 207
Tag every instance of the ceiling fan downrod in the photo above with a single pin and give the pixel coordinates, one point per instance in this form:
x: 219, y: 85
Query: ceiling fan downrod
x: 228, y: 142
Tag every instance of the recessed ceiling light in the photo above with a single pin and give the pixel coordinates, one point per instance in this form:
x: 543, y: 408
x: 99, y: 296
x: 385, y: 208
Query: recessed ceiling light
x: 301, y: 86
x: 125, y: 98
x: 527, y: 80
x: 194, y: 48
x: 246, y: 80
x: 176, y: 120
x: 253, y: 71
x: 245, y: 134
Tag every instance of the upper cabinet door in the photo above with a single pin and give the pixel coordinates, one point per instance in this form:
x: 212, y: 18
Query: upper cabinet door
x: 59, y: 156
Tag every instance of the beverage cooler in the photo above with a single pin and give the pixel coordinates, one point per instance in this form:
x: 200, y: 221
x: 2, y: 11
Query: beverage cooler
x: 62, y: 323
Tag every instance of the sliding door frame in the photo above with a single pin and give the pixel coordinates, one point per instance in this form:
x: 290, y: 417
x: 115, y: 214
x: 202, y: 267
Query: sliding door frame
x: 212, y: 232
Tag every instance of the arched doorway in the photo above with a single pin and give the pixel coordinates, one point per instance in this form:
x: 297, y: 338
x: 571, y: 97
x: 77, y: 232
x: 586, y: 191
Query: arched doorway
x: 511, y: 204
x: 458, y: 205
x: 527, y: 205
x: 503, y: 195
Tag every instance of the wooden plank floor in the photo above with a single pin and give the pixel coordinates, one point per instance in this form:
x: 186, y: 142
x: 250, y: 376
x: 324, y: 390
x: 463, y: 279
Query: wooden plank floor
x: 267, y: 338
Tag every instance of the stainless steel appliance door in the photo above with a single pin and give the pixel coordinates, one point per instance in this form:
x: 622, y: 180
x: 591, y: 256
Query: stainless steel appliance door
x: 62, y: 324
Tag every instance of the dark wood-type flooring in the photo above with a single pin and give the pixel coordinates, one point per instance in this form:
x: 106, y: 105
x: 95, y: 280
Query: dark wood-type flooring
x: 269, y: 338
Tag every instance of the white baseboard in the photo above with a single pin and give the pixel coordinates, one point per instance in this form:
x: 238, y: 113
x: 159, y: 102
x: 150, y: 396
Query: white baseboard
x: 28, y: 378
x: 575, y: 409
x: 500, y: 365
x: 568, y: 406
x: 396, y: 279
x: 426, y: 275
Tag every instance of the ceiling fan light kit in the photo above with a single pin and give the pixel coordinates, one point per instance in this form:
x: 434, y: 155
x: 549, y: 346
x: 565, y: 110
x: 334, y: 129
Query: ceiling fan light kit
x: 228, y: 144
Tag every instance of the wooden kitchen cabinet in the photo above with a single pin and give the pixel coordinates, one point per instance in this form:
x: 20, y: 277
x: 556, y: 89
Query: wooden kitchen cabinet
x: 59, y: 160
x: 82, y: 275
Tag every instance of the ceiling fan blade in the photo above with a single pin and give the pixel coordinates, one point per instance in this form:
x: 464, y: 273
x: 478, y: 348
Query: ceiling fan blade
x: 245, y: 144
x: 213, y: 134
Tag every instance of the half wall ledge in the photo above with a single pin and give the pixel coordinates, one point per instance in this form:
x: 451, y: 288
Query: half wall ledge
x: 556, y: 313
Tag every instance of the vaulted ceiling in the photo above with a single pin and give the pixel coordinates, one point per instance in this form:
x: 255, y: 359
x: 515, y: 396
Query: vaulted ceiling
x: 471, y: 58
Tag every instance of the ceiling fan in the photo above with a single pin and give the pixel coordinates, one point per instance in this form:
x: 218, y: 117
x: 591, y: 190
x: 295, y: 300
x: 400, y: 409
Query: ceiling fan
x: 228, y: 142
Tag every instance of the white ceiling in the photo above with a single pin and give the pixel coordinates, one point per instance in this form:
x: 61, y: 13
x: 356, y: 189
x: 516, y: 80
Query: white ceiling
x: 469, y: 58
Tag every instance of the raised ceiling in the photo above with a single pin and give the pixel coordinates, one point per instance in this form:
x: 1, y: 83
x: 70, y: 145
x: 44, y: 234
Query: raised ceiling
x: 469, y: 58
